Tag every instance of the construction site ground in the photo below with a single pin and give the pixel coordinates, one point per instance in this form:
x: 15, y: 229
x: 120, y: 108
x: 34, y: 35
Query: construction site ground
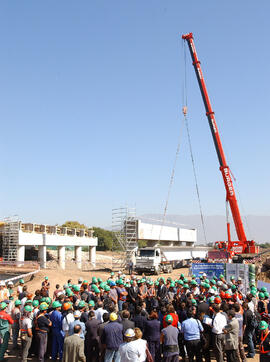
x: 59, y: 276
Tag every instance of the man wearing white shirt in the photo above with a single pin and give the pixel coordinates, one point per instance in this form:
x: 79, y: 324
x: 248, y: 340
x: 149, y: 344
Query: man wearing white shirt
x: 99, y: 312
x: 219, y: 322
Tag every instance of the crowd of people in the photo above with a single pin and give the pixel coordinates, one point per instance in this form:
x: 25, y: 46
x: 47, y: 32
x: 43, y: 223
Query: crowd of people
x: 127, y: 318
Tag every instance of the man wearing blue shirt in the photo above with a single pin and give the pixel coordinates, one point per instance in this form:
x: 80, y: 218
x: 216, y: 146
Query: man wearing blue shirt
x: 57, y: 335
x: 192, y: 328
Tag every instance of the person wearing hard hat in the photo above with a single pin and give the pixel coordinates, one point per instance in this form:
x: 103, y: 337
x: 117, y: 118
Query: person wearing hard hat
x: 57, y: 335
x: 169, y: 340
x: 42, y: 325
x: 5, y: 322
x: 26, y: 331
x: 20, y: 287
x: 16, y: 316
x: 112, y: 338
x: 265, y: 342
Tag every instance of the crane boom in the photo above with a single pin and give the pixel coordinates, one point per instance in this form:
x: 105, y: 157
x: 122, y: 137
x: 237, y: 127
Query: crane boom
x: 224, y: 168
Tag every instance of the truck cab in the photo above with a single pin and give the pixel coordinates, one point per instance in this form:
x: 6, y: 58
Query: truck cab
x: 148, y: 260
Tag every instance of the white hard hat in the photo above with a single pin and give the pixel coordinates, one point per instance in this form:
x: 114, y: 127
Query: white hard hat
x: 77, y: 313
x: 129, y: 333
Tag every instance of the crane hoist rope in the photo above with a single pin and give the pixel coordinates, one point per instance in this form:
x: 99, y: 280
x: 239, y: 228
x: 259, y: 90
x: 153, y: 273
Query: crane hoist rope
x: 184, y: 122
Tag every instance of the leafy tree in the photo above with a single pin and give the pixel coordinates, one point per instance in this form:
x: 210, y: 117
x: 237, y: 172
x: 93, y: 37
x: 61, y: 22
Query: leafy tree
x: 74, y: 225
x: 106, y: 239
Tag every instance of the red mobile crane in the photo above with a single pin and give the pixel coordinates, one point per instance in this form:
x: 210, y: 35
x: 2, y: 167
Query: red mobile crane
x: 244, y: 247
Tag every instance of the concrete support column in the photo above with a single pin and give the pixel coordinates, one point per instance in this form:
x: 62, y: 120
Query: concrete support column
x: 42, y: 255
x: 21, y: 253
x: 62, y: 256
x: 78, y: 256
x: 92, y: 255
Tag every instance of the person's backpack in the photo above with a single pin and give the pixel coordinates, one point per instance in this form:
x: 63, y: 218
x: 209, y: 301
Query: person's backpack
x: 254, y: 321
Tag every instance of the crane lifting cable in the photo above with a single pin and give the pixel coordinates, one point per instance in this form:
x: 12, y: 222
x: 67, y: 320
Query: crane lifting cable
x: 171, y: 180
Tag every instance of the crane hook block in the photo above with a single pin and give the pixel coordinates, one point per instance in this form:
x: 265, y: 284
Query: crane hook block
x: 184, y: 109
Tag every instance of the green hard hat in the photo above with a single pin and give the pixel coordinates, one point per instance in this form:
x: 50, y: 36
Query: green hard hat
x: 261, y: 295
x: 213, y: 281
x: 221, y: 276
x: 263, y: 289
x: 182, y: 276
x: 107, y: 288
x: 172, y: 285
x: 43, y: 300
x: 21, y: 281
x: 121, y: 281
x: 29, y: 301
x: 46, y: 278
x: 254, y: 288
x: 76, y: 288
x: 156, y: 283
x: 193, y: 301
x: 193, y: 282
x: 263, y: 325
x: 206, y: 285
x: 17, y: 302
x: 253, y: 292
x: 180, y: 282
x: 35, y: 303
x: 56, y: 304
x: 232, y: 277
x: 207, y: 281
x: 185, y: 280
x: 94, y: 280
x: 81, y: 304
x: 97, y: 290
x: 28, y: 308
x: 85, y: 282
x: 43, y: 306
x: 266, y: 295
x: 169, y: 318
x: 3, y: 305
x: 212, y: 299
x: 193, y: 276
x: 99, y: 280
x: 214, y: 288
x: 112, y: 273
x: 48, y: 300
x: 91, y: 303
x: 185, y: 286
x: 233, y: 287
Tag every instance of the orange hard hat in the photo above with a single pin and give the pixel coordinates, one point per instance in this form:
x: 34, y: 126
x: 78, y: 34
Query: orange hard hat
x: 67, y: 306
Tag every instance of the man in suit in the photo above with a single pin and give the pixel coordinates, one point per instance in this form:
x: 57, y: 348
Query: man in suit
x: 126, y: 322
x: 92, y: 338
x: 74, y: 347
x: 162, y: 291
x: 231, y: 331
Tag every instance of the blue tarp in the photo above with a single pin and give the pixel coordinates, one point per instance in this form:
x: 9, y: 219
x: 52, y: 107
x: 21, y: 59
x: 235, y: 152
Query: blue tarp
x: 210, y: 269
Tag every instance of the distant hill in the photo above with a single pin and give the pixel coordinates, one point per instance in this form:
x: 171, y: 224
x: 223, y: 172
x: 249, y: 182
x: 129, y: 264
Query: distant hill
x: 256, y: 227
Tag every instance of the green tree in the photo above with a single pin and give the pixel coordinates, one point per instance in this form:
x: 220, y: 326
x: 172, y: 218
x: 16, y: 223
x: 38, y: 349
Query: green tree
x: 74, y: 225
x: 106, y: 239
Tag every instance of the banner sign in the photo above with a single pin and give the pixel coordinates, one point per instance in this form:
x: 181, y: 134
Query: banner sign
x: 238, y: 270
x: 210, y: 269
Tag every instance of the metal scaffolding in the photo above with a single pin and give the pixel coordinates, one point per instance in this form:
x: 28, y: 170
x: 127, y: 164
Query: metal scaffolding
x: 124, y: 226
x: 10, y: 238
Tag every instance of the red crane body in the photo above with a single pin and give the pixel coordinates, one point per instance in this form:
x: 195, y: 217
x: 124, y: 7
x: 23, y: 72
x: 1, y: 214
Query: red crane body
x: 233, y: 247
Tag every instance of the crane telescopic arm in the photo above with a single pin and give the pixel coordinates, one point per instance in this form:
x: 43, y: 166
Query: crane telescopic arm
x: 224, y: 168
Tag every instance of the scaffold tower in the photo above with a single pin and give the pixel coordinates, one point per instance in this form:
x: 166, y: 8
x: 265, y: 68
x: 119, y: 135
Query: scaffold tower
x: 124, y: 225
x: 10, y: 238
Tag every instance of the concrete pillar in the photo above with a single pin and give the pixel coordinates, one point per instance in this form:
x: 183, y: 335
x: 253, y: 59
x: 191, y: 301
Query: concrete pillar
x: 92, y: 255
x: 42, y: 255
x: 62, y: 256
x: 21, y: 253
x: 78, y: 256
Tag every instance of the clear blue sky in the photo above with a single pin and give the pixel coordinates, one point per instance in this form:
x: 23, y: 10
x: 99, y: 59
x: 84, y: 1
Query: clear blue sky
x: 90, y: 106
